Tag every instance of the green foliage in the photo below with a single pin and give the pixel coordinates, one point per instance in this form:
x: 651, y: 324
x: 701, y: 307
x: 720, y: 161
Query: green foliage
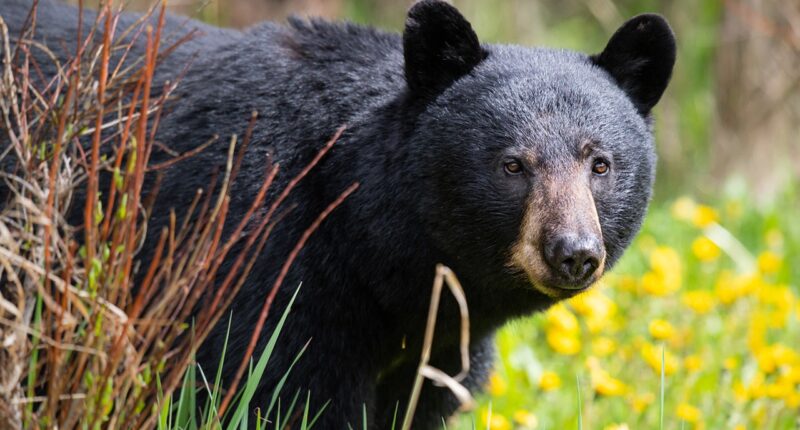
x: 183, y: 415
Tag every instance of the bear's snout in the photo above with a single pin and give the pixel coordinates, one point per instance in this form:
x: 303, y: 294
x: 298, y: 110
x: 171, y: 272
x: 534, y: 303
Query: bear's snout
x: 573, y: 259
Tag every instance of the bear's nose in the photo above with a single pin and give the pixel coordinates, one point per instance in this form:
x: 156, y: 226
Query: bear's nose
x: 574, y: 259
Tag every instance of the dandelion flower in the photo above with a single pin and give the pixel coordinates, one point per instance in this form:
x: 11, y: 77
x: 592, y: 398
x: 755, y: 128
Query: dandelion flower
x: 693, y: 363
x: 688, y: 413
x: 705, y: 249
x: 497, y: 385
x: 560, y: 318
x: 603, y: 346
x: 661, y: 329
x: 607, y: 385
x: 594, y: 304
x: 665, y: 260
x: 602, y: 382
x: 496, y: 421
x: 549, y: 381
x: 792, y: 400
x: 652, y: 355
x: 563, y: 343
x: 769, y: 262
x: 640, y: 402
x: 526, y: 419
x: 704, y: 216
x: 730, y: 363
x: 699, y: 301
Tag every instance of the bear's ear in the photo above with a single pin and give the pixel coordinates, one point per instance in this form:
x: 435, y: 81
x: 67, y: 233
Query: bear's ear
x: 640, y: 56
x: 439, y: 46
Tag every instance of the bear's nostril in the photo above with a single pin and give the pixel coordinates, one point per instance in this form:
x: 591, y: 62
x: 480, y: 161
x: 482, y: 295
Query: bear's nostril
x: 579, y: 266
x: 590, y: 265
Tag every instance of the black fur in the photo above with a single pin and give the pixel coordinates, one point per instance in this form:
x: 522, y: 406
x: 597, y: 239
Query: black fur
x: 640, y: 56
x: 431, y: 116
x: 439, y: 46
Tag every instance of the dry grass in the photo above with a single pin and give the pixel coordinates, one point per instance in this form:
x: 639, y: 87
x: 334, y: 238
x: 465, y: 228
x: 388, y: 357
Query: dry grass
x: 84, y: 345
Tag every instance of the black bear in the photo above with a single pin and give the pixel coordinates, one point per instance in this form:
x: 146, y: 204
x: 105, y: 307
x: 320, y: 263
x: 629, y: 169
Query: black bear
x: 526, y: 170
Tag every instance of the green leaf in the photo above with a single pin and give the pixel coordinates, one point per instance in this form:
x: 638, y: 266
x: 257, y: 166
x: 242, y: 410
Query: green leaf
x: 252, y: 382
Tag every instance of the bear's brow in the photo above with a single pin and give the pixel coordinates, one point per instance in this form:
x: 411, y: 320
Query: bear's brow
x: 588, y: 146
x: 530, y: 157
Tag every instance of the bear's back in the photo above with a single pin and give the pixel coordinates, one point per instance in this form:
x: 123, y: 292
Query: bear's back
x: 305, y: 79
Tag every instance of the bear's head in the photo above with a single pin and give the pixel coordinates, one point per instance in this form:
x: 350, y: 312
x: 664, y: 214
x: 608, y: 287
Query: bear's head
x: 537, y: 164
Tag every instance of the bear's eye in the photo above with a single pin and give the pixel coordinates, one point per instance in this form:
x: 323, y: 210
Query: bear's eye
x: 513, y: 167
x: 600, y: 167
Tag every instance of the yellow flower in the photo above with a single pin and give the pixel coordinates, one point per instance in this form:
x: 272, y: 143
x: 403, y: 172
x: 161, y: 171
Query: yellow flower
x: 602, y: 382
x: 607, y: 385
x: 793, y: 374
x: 730, y: 363
x: 526, y: 419
x: 740, y: 392
x: 603, y: 346
x: 730, y: 287
x: 622, y: 426
x: 701, y: 302
x: 705, y: 249
x: 661, y: 329
x: 765, y: 361
x: 549, y: 381
x: 704, y: 216
x: 593, y: 304
x: 684, y: 209
x: 783, y: 355
x: 688, y: 413
x: 658, y: 285
x: 665, y: 276
x: 560, y: 318
x: 496, y: 421
x: 757, y: 332
x: 665, y: 260
x: 780, y: 390
x: 693, y: 363
x: 640, y: 402
x: 769, y: 262
x: 780, y: 301
x: 563, y: 343
x: 792, y: 400
x: 497, y: 385
x: 652, y: 355
x: 757, y: 387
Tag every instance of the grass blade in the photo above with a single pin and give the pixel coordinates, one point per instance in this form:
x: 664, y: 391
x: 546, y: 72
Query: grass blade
x: 394, y: 417
x: 318, y: 414
x: 280, y: 384
x: 304, y: 424
x: 252, y: 381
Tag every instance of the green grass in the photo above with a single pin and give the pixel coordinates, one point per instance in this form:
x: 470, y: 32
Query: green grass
x: 183, y: 415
